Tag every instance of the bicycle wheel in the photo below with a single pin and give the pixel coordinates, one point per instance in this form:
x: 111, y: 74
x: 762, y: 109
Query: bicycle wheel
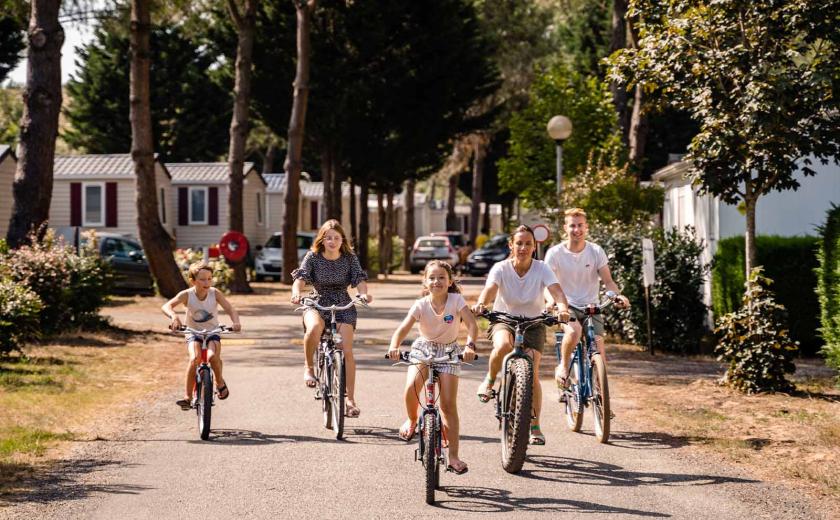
x: 429, y: 456
x: 324, y: 375
x: 337, y: 393
x: 204, y: 403
x: 573, y: 407
x: 600, y: 399
x: 516, y: 419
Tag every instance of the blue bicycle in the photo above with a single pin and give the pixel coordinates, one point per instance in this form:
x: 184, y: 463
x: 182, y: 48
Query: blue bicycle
x: 587, y: 379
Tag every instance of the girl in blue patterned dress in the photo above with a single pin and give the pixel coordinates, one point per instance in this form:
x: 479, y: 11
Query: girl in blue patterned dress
x: 330, y: 267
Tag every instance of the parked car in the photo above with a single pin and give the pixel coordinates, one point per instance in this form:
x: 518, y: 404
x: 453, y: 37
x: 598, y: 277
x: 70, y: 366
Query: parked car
x: 269, y: 260
x: 428, y: 248
x: 128, y: 261
x: 459, y: 243
x: 494, y: 250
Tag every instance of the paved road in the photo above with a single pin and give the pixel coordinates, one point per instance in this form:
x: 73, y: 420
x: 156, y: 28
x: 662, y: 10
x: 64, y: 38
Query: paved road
x: 269, y: 456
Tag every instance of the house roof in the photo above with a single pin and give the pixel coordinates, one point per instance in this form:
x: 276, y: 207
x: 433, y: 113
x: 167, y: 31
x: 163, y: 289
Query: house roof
x: 205, y: 173
x: 276, y: 182
x: 308, y: 189
x: 112, y: 166
x: 5, y: 150
x: 674, y: 171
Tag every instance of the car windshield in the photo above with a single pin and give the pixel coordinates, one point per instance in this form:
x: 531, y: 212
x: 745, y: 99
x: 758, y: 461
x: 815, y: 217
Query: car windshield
x: 495, y: 242
x: 432, y: 243
x: 275, y: 242
x: 303, y: 242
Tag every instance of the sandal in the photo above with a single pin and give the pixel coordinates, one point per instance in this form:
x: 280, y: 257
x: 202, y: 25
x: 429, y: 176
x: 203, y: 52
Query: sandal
x: 185, y: 404
x: 309, y: 378
x: 407, y: 430
x: 537, y: 438
x: 485, y: 390
x: 223, y: 392
x: 458, y: 471
x: 351, y: 411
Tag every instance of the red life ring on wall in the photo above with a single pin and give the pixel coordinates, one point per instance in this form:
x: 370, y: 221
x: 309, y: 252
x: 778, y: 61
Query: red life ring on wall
x: 234, y: 246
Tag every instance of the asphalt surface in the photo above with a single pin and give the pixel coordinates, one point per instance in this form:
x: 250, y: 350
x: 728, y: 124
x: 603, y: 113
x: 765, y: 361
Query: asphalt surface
x: 270, y: 457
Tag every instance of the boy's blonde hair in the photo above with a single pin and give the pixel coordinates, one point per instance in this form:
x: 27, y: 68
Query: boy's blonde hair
x: 453, y: 287
x: 196, y: 267
x: 575, y: 212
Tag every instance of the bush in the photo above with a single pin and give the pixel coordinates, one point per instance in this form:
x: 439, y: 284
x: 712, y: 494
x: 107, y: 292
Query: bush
x: 19, y: 315
x: 72, y: 288
x: 396, y: 254
x: 790, y: 261
x: 677, y: 310
x: 222, y: 272
x: 828, y: 287
x: 755, y: 342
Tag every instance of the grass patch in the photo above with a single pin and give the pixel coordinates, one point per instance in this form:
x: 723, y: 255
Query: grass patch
x: 26, y: 441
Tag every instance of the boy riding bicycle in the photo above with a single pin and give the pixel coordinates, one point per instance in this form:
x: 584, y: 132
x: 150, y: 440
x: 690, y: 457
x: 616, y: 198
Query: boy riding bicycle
x: 201, y: 302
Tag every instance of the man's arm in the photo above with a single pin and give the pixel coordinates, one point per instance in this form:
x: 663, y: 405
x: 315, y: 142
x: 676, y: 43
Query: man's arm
x: 610, y: 285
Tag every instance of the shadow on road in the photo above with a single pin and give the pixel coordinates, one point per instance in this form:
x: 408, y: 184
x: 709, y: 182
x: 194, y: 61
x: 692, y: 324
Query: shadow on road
x: 255, y: 438
x: 580, y: 471
x: 487, y: 500
x: 61, y: 482
x: 650, y: 440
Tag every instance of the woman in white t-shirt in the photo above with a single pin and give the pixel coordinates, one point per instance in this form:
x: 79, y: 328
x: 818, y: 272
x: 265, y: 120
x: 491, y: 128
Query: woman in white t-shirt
x: 440, y: 314
x: 516, y: 285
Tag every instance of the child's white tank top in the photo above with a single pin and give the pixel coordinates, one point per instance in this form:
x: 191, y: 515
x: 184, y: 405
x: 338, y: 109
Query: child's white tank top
x: 202, y: 314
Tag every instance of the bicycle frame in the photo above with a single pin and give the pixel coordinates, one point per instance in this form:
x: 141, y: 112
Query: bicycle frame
x: 587, y: 342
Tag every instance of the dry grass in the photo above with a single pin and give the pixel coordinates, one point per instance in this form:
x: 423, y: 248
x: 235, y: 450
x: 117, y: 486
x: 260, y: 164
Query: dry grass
x: 793, y: 438
x: 67, y: 388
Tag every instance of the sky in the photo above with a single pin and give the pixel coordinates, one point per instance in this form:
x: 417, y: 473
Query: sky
x: 75, y: 34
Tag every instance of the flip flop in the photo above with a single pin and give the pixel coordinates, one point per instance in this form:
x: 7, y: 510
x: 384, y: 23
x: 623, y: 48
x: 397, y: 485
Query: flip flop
x: 308, y: 379
x: 185, y: 404
x: 537, y: 438
x: 223, y: 392
x: 351, y: 411
x: 406, y: 434
x: 485, y: 390
x: 458, y: 471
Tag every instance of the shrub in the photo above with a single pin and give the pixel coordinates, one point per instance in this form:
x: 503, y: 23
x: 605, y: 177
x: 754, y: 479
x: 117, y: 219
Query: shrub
x: 677, y: 310
x: 222, y: 272
x: 396, y: 254
x: 828, y: 287
x: 72, y: 288
x: 19, y: 312
x: 755, y: 342
x: 790, y: 261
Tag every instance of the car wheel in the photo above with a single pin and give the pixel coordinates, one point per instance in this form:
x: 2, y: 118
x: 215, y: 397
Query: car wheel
x: 260, y: 277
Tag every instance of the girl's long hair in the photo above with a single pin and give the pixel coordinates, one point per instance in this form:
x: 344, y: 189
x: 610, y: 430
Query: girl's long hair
x: 318, y: 244
x: 523, y: 228
x: 453, y: 287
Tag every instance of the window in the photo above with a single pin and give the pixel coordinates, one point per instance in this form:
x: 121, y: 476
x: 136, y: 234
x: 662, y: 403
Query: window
x: 162, y: 203
x: 93, y: 204
x: 259, y: 208
x: 198, y: 205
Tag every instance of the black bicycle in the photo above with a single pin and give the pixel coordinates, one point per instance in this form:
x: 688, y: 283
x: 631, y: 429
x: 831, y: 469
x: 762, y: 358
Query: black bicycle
x: 514, y: 408
x: 203, y: 396
x: 432, y: 449
x: 329, y: 369
x: 587, y: 378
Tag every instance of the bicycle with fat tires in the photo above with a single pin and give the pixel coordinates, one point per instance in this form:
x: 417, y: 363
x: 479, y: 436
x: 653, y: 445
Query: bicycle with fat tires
x: 514, y: 408
x: 203, y: 396
x: 431, y: 451
x: 586, y: 382
x: 331, y: 386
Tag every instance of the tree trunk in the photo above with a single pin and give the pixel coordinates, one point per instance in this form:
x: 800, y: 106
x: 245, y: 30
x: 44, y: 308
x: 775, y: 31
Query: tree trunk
x: 244, y: 22
x: 750, y: 202
x: 486, y: 219
x: 409, y: 237
x: 270, y: 155
x: 297, y: 121
x: 637, y: 137
x: 32, y: 187
x: 364, y: 223
x: 451, y: 217
x: 479, y: 157
x: 390, y: 230
x: 157, y: 243
x: 382, y: 226
x: 354, y: 236
x: 337, y: 179
x: 618, y: 40
x: 327, y: 180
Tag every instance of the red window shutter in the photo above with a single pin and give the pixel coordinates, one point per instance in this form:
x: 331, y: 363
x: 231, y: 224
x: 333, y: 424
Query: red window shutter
x: 183, y: 206
x: 313, y: 214
x: 75, y: 203
x: 213, y: 206
x: 110, y: 204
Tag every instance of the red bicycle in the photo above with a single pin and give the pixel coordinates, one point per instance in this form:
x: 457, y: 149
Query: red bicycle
x: 203, y: 396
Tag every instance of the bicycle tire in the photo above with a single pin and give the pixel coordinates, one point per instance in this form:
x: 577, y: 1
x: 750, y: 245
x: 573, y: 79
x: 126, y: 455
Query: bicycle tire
x: 204, y: 403
x: 429, y: 456
x: 324, y: 380
x: 600, y: 399
x: 573, y: 407
x: 517, y: 421
x: 337, y: 393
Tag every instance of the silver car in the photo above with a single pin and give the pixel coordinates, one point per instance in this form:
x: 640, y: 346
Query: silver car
x: 428, y: 248
x: 269, y: 260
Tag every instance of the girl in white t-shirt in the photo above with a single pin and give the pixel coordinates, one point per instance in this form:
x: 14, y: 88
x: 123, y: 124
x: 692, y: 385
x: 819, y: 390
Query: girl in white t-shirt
x: 440, y: 314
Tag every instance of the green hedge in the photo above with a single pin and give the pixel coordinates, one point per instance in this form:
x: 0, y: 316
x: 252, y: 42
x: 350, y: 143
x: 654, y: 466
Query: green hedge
x: 790, y: 262
x: 828, y: 286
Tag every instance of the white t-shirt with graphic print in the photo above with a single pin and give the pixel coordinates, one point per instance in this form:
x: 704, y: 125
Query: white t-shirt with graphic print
x: 578, y: 272
x: 443, y: 327
x: 520, y: 295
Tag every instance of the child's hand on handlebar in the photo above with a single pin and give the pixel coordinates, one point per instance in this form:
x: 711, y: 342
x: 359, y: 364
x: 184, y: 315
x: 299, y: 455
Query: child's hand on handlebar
x: 365, y: 298
x: 469, y: 352
x: 236, y: 327
x: 394, y: 353
x: 478, y: 308
x: 175, y: 325
x: 622, y: 302
x: 296, y: 298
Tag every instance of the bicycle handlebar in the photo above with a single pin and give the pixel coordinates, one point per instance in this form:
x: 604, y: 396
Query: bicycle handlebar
x: 406, y: 358
x: 307, y: 303
x: 221, y: 329
x: 510, y: 319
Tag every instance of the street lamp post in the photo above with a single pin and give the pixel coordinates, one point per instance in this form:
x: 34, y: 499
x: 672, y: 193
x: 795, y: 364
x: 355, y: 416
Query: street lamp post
x: 559, y: 128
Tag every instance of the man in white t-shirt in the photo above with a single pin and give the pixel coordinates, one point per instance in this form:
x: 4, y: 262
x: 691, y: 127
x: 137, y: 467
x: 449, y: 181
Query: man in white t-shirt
x: 580, y: 266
